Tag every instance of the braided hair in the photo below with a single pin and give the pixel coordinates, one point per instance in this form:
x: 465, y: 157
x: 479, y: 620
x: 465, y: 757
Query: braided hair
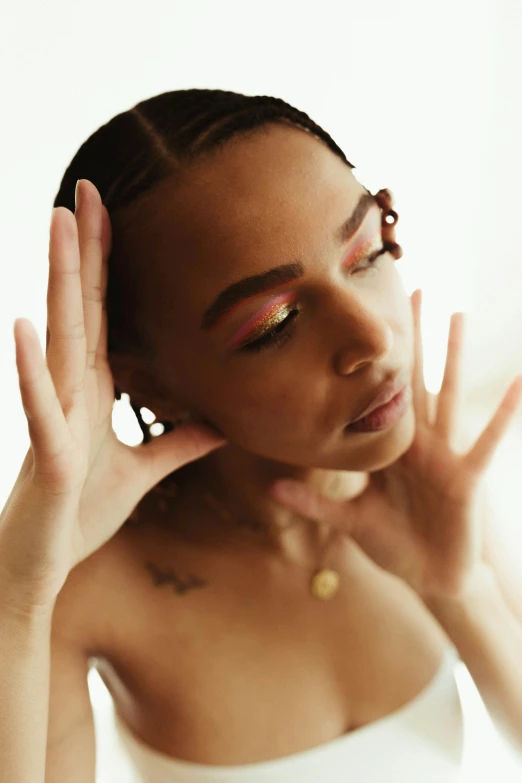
x: 139, y: 148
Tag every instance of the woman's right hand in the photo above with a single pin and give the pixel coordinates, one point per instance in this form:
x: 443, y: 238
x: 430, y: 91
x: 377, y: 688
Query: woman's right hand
x: 78, y: 483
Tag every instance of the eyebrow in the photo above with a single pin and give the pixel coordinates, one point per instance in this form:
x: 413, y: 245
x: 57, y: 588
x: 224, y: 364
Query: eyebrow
x: 279, y: 275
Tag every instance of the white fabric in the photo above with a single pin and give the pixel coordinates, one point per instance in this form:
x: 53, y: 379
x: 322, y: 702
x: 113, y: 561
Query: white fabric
x: 421, y: 741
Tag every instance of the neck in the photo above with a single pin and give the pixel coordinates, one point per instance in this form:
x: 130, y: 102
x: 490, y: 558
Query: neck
x: 239, y: 480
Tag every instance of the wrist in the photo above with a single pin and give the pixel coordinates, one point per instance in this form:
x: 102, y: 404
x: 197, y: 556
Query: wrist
x: 481, y: 583
x: 16, y: 605
x: 22, y: 631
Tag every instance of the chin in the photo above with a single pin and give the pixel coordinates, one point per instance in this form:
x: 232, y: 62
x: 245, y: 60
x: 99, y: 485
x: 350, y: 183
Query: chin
x: 378, y: 450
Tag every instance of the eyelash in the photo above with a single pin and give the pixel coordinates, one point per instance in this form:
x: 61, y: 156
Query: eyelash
x: 280, y: 332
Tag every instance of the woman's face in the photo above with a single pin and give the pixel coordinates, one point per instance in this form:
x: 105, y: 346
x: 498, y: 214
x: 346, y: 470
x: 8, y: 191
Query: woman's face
x: 269, y: 323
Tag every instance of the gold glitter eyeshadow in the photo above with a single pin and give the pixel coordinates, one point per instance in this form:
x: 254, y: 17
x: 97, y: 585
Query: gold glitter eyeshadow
x: 270, y: 321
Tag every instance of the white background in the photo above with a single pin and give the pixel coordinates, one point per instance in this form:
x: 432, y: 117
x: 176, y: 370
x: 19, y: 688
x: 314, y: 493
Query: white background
x: 424, y: 98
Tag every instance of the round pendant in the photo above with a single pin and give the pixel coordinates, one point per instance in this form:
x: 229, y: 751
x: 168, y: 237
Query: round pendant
x: 325, y: 583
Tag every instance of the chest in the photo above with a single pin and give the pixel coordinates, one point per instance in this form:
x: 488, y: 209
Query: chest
x: 249, y: 667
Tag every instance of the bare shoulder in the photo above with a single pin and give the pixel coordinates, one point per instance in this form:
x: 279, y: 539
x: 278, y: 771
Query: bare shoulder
x: 110, y: 598
x: 85, y: 609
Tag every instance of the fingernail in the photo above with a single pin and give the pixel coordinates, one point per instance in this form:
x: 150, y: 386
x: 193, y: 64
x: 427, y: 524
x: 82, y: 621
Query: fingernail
x: 77, y: 195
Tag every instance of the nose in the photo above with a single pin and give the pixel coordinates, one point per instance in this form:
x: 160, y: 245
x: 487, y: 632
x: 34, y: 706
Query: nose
x: 362, y: 335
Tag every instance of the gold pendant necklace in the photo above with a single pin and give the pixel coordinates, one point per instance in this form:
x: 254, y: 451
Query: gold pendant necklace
x: 325, y: 581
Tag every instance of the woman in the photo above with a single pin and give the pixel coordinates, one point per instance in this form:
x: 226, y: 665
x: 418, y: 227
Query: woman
x: 255, y: 308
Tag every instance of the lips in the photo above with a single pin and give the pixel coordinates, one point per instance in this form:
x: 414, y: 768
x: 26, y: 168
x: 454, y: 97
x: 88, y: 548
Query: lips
x: 383, y: 394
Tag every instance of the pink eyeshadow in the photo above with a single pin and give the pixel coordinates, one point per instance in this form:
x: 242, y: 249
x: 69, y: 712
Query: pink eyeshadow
x: 363, y: 248
x: 257, y: 320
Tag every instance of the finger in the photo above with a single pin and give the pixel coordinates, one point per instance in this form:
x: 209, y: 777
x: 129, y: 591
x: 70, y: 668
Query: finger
x: 101, y: 349
x: 48, y: 429
x: 450, y: 395
x: 420, y: 397
x: 88, y: 216
x: 309, y: 502
x: 67, y: 344
x: 167, y: 453
x: 478, y: 459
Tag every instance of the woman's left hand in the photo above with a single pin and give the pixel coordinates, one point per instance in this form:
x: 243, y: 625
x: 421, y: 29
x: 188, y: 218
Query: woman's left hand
x: 421, y: 518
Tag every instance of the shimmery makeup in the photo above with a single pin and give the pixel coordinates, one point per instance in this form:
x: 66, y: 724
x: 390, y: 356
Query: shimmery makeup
x: 369, y: 241
x: 364, y: 248
x: 242, y: 290
x: 273, y: 313
x: 270, y: 316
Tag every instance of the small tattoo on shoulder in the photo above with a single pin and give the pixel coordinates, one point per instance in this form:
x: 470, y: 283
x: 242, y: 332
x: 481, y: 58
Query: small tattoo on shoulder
x: 166, y: 575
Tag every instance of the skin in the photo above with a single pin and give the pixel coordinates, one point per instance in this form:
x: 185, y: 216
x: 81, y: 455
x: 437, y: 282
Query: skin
x: 219, y: 605
x: 269, y: 197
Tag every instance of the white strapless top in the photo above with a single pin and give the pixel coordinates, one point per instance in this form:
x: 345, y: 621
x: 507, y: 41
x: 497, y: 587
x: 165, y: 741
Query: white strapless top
x: 421, y: 741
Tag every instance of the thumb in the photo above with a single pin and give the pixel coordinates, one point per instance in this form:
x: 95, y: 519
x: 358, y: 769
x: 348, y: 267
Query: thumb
x: 310, y: 502
x: 167, y: 453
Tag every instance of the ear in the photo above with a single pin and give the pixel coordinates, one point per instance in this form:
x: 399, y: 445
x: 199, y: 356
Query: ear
x: 136, y: 378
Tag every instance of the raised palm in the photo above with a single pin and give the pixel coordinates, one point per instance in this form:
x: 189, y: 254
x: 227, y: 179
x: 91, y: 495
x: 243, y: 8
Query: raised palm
x: 78, y: 483
x: 421, y: 518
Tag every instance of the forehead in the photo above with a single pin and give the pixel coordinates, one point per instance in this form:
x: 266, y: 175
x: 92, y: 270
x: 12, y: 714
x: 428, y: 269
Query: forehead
x: 256, y: 202
x: 264, y: 184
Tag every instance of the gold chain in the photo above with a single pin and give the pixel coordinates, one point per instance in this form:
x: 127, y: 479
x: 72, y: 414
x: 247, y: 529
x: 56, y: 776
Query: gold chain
x: 325, y: 581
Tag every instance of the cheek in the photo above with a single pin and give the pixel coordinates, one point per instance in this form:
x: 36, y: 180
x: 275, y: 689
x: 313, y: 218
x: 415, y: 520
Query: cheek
x: 267, y: 410
x: 283, y: 406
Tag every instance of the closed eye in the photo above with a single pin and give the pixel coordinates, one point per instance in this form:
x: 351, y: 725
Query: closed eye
x: 281, y: 333
x: 275, y: 335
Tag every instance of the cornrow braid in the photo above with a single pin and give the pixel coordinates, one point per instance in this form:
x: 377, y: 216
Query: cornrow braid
x: 142, y: 146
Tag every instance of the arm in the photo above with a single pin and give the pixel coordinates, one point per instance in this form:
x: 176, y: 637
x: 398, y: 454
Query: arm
x: 494, y: 552
x: 496, y: 555
x: 485, y: 623
x: 24, y: 694
x: 488, y: 637
x: 46, y: 721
